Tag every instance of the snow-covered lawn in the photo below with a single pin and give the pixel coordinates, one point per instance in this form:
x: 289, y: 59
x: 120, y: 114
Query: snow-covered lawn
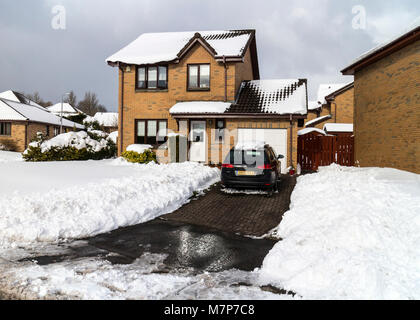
x: 350, y: 233
x: 7, y: 156
x: 51, y: 201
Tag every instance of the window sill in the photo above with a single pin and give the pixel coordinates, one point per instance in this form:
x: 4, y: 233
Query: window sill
x: 198, y: 89
x: 151, y: 90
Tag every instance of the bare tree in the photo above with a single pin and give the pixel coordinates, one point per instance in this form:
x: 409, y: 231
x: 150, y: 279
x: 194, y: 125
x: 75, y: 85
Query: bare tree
x: 35, y: 97
x: 71, y: 99
x: 90, y: 104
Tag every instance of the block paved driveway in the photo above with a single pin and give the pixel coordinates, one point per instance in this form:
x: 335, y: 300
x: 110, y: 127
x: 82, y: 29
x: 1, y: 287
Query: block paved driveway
x: 245, y: 214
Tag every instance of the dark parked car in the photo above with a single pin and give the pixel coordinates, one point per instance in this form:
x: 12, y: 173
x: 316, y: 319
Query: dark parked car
x: 251, y: 168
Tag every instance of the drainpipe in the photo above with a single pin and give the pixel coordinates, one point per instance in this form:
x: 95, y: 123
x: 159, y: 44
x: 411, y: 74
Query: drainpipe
x: 224, y: 63
x: 291, y: 142
x: 120, y: 133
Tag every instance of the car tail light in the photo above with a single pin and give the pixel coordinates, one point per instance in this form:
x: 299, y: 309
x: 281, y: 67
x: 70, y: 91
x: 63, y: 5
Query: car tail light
x: 227, y: 165
x: 266, y: 166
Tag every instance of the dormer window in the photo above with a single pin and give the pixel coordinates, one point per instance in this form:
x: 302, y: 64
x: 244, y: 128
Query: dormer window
x: 198, y: 77
x: 152, y: 77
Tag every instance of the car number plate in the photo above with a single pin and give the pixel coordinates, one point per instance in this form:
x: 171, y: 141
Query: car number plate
x: 245, y: 173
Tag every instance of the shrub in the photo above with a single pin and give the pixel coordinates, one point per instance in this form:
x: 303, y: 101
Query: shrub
x: 76, y: 118
x: 92, y: 125
x: 71, y: 146
x: 135, y: 157
x: 7, y: 145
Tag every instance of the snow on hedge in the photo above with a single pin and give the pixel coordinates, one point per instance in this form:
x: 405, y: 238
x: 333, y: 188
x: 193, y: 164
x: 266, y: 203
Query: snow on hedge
x: 350, y: 233
x: 79, y: 140
x: 139, y: 148
x: 52, y: 201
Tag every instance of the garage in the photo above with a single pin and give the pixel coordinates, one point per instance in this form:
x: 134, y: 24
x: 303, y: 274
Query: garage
x: 276, y: 138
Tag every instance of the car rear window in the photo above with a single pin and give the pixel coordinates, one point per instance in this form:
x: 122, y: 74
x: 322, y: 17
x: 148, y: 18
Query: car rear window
x: 247, y: 157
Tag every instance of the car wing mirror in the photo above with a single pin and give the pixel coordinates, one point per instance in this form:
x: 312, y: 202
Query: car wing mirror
x: 280, y: 156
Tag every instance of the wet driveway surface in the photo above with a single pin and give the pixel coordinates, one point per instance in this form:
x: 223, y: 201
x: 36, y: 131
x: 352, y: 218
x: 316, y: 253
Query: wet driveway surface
x: 204, y: 235
x: 188, y: 247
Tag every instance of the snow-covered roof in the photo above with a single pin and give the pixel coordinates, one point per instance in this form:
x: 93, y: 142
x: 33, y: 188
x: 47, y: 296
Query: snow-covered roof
x: 67, y: 108
x: 413, y: 27
x: 106, y: 119
x: 19, y: 97
x: 313, y: 105
x: 338, y: 127
x: 278, y: 96
x: 169, y: 46
x: 326, y: 89
x: 308, y: 130
x: 212, y: 107
x: 12, y: 110
x: 317, y: 120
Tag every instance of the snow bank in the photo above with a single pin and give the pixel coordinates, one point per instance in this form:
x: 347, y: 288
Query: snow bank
x: 139, y: 148
x: 78, y: 140
x: 99, y: 279
x: 350, y: 233
x: 89, y: 205
x: 6, y: 156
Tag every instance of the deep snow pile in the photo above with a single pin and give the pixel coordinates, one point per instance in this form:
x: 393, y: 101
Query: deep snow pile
x: 78, y: 140
x: 350, y: 233
x: 53, y: 201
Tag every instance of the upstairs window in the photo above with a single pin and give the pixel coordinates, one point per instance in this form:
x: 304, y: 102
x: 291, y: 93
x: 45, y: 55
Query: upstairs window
x: 198, y: 77
x: 152, y: 77
x: 5, y: 128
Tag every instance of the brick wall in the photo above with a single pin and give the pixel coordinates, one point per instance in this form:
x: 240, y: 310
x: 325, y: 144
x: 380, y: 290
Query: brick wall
x: 17, y: 137
x: 156, y: 104
x: 387, y: 111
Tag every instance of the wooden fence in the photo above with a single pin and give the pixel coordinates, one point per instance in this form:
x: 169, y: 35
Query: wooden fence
x: 317, y: 150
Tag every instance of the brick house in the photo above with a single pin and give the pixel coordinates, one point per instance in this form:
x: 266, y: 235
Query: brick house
x: 335, y: 104
x: 20, y: 122
x: 205, y: 85
x: 387, y: 103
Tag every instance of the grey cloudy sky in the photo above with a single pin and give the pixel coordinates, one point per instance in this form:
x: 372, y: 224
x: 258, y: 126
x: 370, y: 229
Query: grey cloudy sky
x: 311, y: 39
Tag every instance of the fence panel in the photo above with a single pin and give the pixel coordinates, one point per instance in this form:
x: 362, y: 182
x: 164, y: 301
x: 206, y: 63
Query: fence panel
x: 316, y: 150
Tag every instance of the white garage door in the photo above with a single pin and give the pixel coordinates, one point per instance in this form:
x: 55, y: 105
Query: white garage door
x: 276, y: 138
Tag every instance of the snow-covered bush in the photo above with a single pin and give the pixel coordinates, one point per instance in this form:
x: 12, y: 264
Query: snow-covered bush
x: 7, y: 145
x: 80, y: 145
x: 139, y: 153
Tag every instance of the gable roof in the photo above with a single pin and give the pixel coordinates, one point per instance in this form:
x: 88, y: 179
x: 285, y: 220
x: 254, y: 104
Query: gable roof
x: 280, y: 96
x: 106, y: 119
x: 411, y: 34
x: 12, y: 110
x: 67, y: 108
x: 151, y: 48
x: 19, y: 97
x: 326, y: 89
x: 339, y: 91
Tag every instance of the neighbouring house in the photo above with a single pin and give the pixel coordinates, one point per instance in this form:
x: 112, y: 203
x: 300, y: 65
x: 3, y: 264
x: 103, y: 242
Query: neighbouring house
x: 207, y: 86
x: 66, y: 109
x: 334, y: 104
x: 20, y: 122
x: 19, y: 97
x: 387, y: 103
x: 107, y: 120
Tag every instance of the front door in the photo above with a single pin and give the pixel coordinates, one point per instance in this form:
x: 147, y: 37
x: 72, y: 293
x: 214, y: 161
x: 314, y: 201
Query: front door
x: 198, y: 141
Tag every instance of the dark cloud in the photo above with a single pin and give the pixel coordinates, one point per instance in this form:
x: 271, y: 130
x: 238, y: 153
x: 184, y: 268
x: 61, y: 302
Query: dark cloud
x: 312, y: 39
